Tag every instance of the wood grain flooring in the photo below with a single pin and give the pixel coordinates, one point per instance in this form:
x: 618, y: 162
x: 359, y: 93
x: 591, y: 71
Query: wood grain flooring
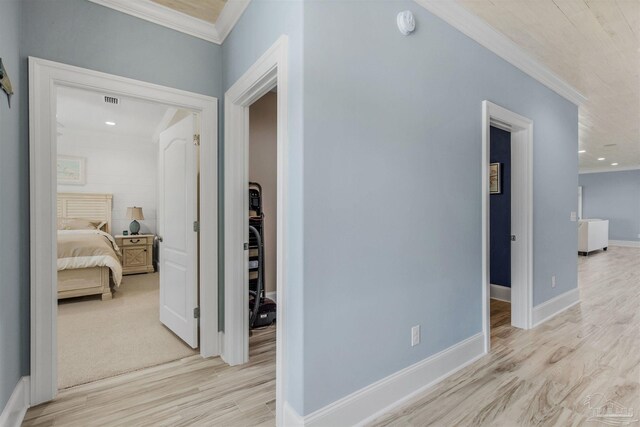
x: 189, y: 392
x: 553, y: 375
x: 557, y: 373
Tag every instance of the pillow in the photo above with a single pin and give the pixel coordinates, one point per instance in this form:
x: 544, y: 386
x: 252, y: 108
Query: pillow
x: 79, y: 224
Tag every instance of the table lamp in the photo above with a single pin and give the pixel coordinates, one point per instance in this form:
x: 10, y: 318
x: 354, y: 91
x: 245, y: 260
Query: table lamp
x: 135, y: 214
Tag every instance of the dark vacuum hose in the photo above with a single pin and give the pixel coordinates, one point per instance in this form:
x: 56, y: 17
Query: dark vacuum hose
x: 256, y: 301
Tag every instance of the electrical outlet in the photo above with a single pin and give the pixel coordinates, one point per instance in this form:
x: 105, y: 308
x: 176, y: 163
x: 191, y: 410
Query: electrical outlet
x: 415, y: 335
x: 573, y: 217
x: 553, y: 281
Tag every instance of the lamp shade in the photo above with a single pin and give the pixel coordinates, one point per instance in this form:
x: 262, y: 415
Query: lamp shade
x: 135, y: 213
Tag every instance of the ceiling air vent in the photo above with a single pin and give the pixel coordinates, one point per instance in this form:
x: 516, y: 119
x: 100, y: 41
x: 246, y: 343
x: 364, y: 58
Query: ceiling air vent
x: 111, y: 100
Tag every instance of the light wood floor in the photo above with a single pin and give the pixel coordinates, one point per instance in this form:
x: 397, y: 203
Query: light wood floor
x: 538, y: 377
x: 545, y: 376
x: 191, y: 391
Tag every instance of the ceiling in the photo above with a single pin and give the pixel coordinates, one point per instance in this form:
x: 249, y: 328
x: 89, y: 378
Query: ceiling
x: 206, y: 10
x: 210, y: 20
x: 83, y: 110
x: 594, y: 45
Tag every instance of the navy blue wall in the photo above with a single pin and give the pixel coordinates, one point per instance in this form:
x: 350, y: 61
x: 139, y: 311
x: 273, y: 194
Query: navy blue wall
x: 500, y: 224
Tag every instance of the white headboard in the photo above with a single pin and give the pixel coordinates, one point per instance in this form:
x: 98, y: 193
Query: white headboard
x: 87, y: 206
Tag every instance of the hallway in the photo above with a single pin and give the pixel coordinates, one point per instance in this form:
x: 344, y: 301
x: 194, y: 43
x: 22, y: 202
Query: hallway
x: 546, y: 375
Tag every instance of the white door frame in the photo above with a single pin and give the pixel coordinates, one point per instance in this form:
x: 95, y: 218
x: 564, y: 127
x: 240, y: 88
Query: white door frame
x: 269, y: 71
x: 521, y: 129
x: 44, y: 79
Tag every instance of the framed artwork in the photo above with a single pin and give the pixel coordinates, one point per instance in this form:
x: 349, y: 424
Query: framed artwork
x: 495, y: 181
x: 71, y: 170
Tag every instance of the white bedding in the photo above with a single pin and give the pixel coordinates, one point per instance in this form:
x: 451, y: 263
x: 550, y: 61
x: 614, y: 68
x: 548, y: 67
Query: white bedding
x: 74, y: 257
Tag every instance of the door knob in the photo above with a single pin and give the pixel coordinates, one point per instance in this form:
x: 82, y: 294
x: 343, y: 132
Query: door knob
x: 159, y: 238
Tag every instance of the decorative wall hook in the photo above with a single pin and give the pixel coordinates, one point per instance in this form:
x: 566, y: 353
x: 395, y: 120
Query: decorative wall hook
x: 5, y: 83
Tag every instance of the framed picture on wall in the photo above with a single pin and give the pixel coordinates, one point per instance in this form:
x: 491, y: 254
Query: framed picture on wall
x: 495, y: 182
x: 71, y: 170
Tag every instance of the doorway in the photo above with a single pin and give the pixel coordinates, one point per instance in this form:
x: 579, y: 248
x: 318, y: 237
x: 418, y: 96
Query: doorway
x: 112, y: 208
x: 46, y: 78
x: 267, y: 73
x: 516, y: 257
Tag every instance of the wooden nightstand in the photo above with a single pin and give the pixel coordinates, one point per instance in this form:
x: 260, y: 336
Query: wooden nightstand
x: 137, y: 253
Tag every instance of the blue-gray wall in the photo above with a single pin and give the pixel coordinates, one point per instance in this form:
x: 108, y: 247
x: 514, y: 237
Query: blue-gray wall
x: 81, y: 33
x: 14, y: 223
x: 614, y: 196
x: 384, y: 222
x: 262, y: 23
x: 500, y: 211
x: 78, y: 32
x: 392, y: 172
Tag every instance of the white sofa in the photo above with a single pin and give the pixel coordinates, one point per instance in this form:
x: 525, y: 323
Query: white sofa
x: 593, y: 234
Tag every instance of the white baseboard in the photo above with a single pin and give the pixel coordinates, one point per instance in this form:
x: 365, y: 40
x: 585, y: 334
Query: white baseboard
x: 291, y: 417
x: 273, y: 296
x: 499, y: 292
x: 383, y: 396
x: 15, y: 409
x: 555, y: 306
x: 625, y: 243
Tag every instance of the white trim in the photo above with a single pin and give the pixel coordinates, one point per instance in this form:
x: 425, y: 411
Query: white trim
x: 374, y: 400
x: 608, y: 169
x: 480, y: 31
x: 625, y: 243
x: 229, y: 16
x: 269, y: 70
x: 17, y: 405
x: 501, y: 293
x: 273, y: 296
x: 290, y: 418
x: 44, y: 79
x: 167, y: 17
x: 555, y: 306
x: 521, y: 129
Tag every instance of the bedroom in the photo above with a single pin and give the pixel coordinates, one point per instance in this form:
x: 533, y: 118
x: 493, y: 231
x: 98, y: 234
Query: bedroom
x: 113, y: 155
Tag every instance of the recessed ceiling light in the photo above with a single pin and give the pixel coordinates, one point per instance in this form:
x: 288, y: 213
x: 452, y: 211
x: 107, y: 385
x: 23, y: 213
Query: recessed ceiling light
x: 582, y: 151
x: 614, y: 164
x: 110, y: 123
x: 601, y: 158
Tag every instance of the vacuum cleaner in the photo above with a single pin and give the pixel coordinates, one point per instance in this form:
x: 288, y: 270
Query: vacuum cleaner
x: 262, y: 310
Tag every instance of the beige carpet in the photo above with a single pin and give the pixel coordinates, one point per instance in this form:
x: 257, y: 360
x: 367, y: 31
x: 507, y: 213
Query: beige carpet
x: 99, y: 339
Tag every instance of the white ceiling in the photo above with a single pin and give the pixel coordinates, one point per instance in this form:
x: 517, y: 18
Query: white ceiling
x: 595, y: 46
x: 87, y: 111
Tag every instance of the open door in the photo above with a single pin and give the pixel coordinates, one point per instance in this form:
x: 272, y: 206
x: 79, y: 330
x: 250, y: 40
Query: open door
x: 177, y: 228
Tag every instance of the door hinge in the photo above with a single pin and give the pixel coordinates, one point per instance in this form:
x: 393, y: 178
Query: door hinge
x: 196, y: 226
x: 246, y: 246
x: 196, y: 313
x: 196, y: 139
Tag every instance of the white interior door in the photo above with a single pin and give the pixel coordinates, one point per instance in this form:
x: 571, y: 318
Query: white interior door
x: 179, y: 242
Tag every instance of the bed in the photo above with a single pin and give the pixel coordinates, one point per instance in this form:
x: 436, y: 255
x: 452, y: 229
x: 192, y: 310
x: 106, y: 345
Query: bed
x: 88, y: 258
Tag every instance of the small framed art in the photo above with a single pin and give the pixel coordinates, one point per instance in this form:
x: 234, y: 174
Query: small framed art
x: 71, y: 170
x: 495, y: 179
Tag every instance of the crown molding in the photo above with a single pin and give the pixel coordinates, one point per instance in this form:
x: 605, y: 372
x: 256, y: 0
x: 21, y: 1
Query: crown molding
x: 608, y: 169
x: 229, y: 16
x: 161, y: 15
x: 477, y: 29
